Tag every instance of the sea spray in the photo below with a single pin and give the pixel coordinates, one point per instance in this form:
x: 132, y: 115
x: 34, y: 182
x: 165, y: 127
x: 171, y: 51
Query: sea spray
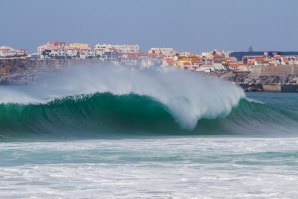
x: 188, y: 96
x: 104, y: 115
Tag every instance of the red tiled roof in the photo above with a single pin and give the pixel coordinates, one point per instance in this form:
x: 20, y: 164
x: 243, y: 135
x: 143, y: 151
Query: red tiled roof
x: 5, y: 50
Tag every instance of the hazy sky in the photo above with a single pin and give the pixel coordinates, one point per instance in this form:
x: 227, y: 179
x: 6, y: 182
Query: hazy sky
x: 186, y: 25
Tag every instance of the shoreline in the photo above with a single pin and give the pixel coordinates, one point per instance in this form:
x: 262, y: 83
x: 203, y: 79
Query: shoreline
x: 259, y: 79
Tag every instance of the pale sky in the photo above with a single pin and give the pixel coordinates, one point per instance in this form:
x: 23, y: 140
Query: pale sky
x: 186, y: 25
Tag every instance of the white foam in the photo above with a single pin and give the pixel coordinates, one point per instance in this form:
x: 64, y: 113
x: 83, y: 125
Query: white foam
x: 151, y: 168
x: 254, y: 101
x: 189, y: 96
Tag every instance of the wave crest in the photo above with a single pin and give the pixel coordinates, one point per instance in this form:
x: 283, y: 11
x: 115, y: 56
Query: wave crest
x: 188, y: 96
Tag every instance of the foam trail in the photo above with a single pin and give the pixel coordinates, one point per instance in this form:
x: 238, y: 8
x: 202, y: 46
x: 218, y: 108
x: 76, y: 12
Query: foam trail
x: 189, y: 96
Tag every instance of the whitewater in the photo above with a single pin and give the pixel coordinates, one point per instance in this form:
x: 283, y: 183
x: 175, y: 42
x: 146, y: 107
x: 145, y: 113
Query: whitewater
x: 125, y: 132
x: 186, y: 96
x: 182, y: 92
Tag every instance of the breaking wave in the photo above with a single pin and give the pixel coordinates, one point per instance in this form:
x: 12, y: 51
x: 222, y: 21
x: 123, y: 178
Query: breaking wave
x: 103, y: 101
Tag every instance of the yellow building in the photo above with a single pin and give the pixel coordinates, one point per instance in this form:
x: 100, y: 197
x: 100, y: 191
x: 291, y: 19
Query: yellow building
x: 181, y: 63
x: 81, y: 46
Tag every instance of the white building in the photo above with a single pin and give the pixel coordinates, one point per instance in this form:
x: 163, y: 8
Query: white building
x: 80, y: 50
x: 53, y: 49
x: 9, y: 52
x: 56, y: 45
x: 66, y: 50
x: 206, y: 69
x: 118, y: 48
x: 162, y: 51
x: 6, y: 51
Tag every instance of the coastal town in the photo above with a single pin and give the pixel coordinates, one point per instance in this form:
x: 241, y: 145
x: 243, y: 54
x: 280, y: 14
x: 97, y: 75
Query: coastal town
x: 252, y: 70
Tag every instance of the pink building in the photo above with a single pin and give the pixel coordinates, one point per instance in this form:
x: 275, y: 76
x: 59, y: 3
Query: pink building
x: 9, y: 52
x: 56, y: 45
x: 54, y: 49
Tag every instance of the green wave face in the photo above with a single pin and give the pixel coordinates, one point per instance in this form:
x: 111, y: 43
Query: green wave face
x: 107, y: 115
x: 87, y: 102
x: 86, y: 116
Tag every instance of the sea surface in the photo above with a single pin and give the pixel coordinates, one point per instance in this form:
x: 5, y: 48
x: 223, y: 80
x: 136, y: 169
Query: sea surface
x: 184, y: 167
x: 125, y: 139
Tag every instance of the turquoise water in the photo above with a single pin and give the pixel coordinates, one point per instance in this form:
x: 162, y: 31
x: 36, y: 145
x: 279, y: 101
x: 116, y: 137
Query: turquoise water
x: 104, y: 115
x: 288, y: 101
x: 192, y: 167
x: 65, y: 138
x: 155, y: 166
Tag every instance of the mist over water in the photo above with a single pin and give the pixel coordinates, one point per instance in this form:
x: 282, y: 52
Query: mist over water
x: 125, y: 132
x: 100, y: 100
x: 188, y: 96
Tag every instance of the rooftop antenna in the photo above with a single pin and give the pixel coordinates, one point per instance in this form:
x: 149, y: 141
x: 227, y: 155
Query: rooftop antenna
x: 250, y: 49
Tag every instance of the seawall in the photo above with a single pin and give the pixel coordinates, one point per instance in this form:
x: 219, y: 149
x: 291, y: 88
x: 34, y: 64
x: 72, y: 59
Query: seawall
x: 272, y: 88
x: 279, y: 70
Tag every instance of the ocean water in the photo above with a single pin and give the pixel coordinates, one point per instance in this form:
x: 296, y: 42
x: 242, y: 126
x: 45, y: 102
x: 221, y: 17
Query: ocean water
x: 184, y: 167
x: 147, y: 133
